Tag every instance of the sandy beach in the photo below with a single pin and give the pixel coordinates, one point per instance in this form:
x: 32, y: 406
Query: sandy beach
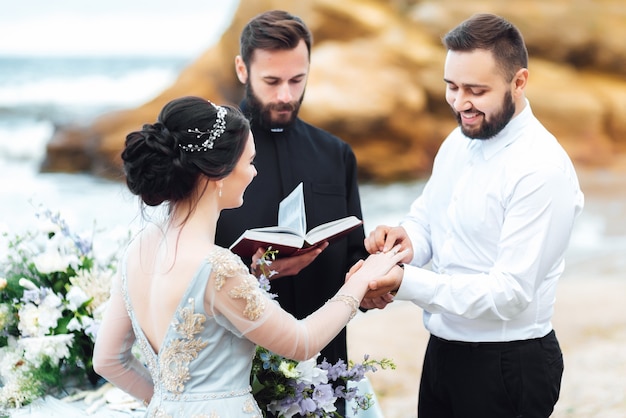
x: 590, y: 322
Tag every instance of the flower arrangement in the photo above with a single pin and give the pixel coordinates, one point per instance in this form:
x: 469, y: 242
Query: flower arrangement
x: 53, y: 291
x: 287, y: 387
x: 52, y: 295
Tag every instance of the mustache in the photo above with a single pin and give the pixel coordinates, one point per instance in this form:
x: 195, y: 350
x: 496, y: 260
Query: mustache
x: 282, y: 107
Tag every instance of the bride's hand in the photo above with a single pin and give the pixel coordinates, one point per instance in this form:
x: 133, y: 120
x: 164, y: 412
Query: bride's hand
x: 377, y: 265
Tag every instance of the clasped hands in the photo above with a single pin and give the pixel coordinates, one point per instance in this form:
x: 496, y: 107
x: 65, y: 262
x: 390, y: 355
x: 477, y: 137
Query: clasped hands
x: 382, y: 240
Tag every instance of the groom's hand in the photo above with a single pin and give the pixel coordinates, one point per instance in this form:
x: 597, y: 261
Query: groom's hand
x: 379, y: 302
x: 384, y: 238
x: 388, y: 283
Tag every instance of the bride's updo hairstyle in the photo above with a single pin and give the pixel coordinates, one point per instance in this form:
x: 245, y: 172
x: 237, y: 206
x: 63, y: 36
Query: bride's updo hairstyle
x: 192, y: 137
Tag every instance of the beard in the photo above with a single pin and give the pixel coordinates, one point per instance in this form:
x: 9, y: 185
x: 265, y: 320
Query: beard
x: 263, y: 112
x: 496, y: 123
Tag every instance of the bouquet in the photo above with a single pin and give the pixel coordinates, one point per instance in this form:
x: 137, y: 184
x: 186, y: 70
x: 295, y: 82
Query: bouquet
x: 288, y: 387
x: 52, y: 295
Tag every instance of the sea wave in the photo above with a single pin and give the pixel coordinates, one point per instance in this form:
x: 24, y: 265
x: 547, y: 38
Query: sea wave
x: 81, y: 87
x: 39, y: 93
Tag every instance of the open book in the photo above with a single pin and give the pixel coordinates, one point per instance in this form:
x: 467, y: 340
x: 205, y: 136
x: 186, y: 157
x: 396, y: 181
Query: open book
x: 290, y: 236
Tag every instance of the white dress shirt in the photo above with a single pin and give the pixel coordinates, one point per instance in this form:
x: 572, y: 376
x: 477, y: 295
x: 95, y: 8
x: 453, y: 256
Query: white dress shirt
x: 494, y: 219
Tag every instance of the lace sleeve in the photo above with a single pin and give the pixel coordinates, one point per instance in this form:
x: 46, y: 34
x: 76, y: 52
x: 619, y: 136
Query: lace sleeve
x: 113, y: 358
x: 236, y: 295
x: 227, y: 265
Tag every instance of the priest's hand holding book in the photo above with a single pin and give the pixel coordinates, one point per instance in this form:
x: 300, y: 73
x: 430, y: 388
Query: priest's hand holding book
x: 287, y: 266
x: 290, y: 237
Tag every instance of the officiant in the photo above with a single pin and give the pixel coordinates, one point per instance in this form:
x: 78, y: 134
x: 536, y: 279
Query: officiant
x: 273, y: 65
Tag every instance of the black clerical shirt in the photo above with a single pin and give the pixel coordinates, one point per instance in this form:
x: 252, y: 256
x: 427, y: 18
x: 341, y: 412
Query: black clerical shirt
x: 327, y: 168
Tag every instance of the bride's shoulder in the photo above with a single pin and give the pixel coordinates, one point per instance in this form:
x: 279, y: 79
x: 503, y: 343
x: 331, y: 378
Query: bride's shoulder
x: 226, y: 264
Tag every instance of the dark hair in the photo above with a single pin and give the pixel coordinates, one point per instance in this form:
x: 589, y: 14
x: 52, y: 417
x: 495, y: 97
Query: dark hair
x: 157, y: 168
x: 492, y: 33
x: 273, y: 30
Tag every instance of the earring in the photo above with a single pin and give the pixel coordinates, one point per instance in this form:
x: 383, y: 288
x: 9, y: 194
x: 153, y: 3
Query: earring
x: 219, y: 192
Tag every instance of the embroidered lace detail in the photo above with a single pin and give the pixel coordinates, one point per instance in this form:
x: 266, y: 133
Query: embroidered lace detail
x: 250, y: 291
x: 160, y: 413
x: 177, y: 355
x: 205, y: 396
x: 226, y: 265
x: 250, y: 407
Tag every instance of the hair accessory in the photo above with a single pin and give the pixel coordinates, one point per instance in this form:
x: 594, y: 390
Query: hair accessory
x: 214, y: 133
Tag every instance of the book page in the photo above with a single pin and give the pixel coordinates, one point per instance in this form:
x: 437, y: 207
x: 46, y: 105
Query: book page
x: 291, y: 212
x: 332, y: 229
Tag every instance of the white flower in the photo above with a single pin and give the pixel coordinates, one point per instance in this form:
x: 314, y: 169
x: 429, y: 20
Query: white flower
x: 36, y: 321
x: 29, y: 320
x: 74, y: 325
x: 58, y: 254
x: 10, y: 359
x: 75, y: 298
x: 50, y: 262
x: 96, y: 284
x: 289, y: 412
x: 288, y: 370
x: 309, y: 373
x: 27, y: 284
x: 53, y: 347
x: 18, y: 391
x: 46, y: 226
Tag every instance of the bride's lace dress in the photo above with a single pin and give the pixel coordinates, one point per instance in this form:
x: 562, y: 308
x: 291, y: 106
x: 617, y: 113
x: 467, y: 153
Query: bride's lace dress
x: 202, y: 368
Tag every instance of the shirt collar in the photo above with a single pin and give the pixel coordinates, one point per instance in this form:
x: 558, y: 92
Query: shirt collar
x: 506, y: 136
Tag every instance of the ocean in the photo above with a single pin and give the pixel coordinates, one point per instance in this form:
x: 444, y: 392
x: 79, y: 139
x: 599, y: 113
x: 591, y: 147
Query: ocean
x: 37, y: 93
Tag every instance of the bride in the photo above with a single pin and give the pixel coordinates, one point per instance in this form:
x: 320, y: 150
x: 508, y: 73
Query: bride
x: 193, y: 308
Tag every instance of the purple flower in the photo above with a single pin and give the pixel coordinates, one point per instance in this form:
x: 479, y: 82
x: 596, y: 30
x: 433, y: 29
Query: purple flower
x: 317, y: 397
x: 307, y: 406
x: 83, y: 245
x: 323, y: 394
x: 335, y: 371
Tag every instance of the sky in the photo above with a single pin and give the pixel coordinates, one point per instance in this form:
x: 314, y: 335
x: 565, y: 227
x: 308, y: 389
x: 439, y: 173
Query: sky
x: 105, y: 27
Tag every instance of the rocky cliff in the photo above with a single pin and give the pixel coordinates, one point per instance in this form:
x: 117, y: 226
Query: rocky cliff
x: 376, y: 81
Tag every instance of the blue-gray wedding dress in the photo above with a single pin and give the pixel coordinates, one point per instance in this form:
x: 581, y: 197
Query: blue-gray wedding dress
x: 202, y: 367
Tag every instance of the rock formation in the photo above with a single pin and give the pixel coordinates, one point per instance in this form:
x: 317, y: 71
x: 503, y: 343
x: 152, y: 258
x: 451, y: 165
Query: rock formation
x: 376, y: 81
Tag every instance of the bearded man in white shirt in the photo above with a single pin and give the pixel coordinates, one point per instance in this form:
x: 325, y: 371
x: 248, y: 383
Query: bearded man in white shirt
x: 494, y: 220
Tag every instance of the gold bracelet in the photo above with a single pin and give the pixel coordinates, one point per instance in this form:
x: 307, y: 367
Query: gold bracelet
x: 352, y: 302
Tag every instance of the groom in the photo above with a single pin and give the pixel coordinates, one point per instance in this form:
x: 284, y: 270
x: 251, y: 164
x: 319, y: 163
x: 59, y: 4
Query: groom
x: 494, y: 219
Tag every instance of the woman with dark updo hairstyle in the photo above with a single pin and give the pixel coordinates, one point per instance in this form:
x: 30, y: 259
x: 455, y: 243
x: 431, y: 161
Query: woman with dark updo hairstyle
x: 157, y: 167
x: 193, y: 308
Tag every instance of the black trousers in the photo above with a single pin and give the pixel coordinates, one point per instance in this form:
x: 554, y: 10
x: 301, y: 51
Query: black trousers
x: 517, y: 379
